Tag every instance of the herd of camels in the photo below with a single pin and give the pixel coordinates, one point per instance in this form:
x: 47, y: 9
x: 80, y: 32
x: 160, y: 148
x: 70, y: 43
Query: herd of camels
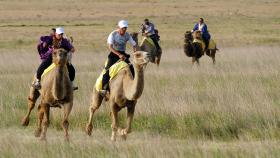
x: 125, y: 89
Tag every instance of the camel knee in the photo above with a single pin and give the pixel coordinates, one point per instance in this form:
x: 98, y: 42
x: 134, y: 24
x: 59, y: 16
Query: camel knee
x: 93, y: 108
x: 114, y: 127
x: 46, y: 122
x: 65, y: 124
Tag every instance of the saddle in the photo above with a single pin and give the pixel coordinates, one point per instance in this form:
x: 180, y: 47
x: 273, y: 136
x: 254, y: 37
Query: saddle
x: 113, y: 71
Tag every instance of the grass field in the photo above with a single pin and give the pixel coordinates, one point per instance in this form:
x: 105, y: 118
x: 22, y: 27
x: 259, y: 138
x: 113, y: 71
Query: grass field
x: 231, y: 109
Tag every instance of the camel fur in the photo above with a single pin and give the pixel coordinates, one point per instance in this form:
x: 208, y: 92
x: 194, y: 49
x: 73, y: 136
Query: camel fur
x: 195, y: 49
x: 124, y: 92
x: 56, y: 91
x: 146, y: 46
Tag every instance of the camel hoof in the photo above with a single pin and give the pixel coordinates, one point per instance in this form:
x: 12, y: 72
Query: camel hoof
x: 67, y: 139
x: 89, y: 129
x: 123, y: 137
x: 43, y: 138
x: 123, y: 133
x: 113, y: 138
x: 38, y: 133
x: 25, y: 121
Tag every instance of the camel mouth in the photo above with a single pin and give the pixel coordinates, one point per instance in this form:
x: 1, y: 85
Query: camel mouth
x: 142, y: 57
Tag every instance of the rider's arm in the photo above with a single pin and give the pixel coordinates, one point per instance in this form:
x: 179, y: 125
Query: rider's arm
x: 132, y: 42
x: 113, y: 50
x: 110, y: 42
x: 195, y: 27
x: 150, y: 29
x: 73, y: 50
x: 204, y: 29
x: 68, y: 46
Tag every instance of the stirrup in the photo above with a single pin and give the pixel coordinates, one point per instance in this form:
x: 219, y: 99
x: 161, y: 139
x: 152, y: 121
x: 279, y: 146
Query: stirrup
x: 37, y: 85
x: 102, y: 92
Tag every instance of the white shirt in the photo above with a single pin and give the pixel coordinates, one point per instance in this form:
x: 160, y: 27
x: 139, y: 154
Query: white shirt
x: 118, y: 41
x: 200, y: 27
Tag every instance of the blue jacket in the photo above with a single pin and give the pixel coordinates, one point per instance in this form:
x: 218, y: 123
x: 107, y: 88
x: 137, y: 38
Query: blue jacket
x: 204, y: 31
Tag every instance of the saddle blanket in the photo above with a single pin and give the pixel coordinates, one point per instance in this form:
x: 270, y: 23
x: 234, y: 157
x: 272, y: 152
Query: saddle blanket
x: 113, y: 71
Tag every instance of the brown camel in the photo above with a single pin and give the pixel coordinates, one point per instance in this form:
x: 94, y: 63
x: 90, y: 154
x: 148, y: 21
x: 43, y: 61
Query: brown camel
x: 192, y: 49
x: 124, y: 92
x: 196, y: 49
x: 148, y: 46
x: 56, y: 91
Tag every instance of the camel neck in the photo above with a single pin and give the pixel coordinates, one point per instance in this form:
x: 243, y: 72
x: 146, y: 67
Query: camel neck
x: 136, y: 85
x: 58, y: 88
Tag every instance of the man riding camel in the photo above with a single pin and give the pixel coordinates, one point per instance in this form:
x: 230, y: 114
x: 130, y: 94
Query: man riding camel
x: 148, y: 29
x: 117, y: 45
x: 201, y: 26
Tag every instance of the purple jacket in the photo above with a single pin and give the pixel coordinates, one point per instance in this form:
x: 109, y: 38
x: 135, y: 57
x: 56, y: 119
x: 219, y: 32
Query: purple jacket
x: 46, y: 52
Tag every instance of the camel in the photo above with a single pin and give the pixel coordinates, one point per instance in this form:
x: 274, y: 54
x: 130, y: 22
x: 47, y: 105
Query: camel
x: 195, y: 49
x: 124, y: 92
x: 124, y: 89
x: 56, y: 91
x: 147, y: 46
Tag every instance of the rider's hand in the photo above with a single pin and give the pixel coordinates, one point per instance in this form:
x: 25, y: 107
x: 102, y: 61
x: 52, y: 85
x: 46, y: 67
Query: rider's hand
x: 122, y: 57
x: 44, y: 44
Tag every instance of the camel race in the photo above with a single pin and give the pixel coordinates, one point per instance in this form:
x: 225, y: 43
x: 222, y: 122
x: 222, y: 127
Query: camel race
x: 139, y: 78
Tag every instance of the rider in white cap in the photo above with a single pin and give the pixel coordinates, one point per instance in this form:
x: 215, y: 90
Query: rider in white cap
x: 117, y: 44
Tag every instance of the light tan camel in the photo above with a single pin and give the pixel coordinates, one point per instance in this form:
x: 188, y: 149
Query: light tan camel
x: 124, y: 92
x: 56, y: 91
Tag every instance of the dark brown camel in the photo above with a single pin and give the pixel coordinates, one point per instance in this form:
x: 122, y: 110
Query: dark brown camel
x: 196, y: 49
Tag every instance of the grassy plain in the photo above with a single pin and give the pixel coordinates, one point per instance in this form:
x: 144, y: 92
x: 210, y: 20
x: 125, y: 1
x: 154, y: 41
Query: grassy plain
x: 230, y: 109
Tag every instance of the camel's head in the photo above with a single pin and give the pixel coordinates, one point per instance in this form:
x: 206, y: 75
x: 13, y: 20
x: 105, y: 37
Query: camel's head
x: 188, y: 36
x: 59, y: 56
x: 134, y: 36
x: 197, y: 34
x: 141, y: 58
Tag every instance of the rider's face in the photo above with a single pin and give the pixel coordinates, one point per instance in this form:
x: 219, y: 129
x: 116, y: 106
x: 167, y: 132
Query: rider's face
x: 122, y: 30
x: 58, y: 36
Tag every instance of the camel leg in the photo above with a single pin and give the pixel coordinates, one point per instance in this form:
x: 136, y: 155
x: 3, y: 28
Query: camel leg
x: 39, y: 123
x: 115, y: 123
x: 193, y: 60
x: 213, y: 56
x: 33, y: 96
x: 130, y: 114
x: 46, y: 120
x: 197, y: 61
x: 157, y: 60
x: 95, y: 104
x: 65, y: 124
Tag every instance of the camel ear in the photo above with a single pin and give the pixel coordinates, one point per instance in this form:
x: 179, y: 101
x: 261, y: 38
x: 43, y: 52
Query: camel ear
x: 54, y: 51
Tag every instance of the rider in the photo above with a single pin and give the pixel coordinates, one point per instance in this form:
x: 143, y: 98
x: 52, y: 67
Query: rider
x: 117, y: 44
x: 201, y: 26
x: 45, y: 48
x: 148, y: 29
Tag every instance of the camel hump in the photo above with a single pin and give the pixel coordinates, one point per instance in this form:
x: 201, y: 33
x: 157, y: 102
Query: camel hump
x: 113, y: 71
x: 149, y: 41
x: 212, y: 44
x: 48, y: 69
x: 200, y: 42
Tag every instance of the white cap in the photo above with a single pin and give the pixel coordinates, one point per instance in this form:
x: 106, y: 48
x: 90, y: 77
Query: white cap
x: 123, y: 23
x: 59, y: 30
